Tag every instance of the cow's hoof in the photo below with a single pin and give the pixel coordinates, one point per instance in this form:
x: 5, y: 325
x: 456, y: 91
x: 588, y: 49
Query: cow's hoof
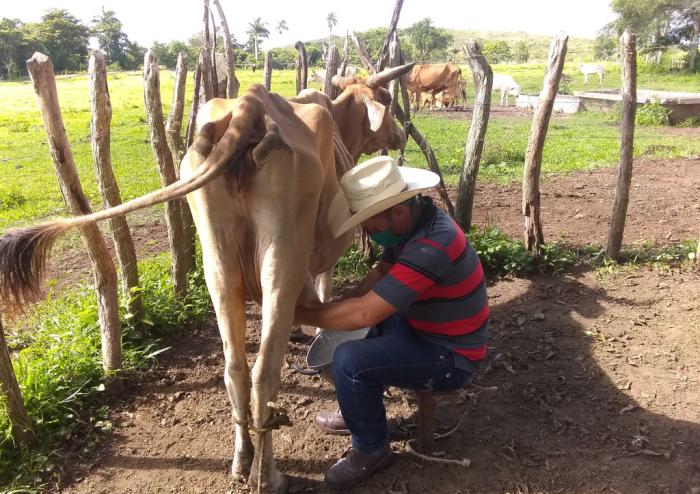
x: 277, y: 486
x: 240, y: 467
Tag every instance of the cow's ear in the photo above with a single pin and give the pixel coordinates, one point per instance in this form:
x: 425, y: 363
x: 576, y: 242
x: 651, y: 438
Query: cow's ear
x: 375, y: 114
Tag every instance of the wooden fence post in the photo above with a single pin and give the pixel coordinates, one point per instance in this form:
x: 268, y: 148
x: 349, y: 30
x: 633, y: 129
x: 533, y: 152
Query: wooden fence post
x: 109, y: 189
x: 173, y: 132
x: 191, y: 123
x: 173, y: 214
x: 207, y: 84
x: 41, y: 71
x: 232, y: 84
x: 534, y: 238
x: 384, y: 52
x: 332, y: 62
x: 362, y: 53
x: 16, y: 412
x: 302, y: 67
x: 628, y: 61
x: 267, y: 70
x: 483, y: 80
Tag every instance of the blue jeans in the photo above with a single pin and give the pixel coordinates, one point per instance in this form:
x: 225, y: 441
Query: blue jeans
x: 392, y: 354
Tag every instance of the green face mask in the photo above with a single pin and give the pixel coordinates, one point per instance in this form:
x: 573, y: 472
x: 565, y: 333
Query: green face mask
x: 387, y: 238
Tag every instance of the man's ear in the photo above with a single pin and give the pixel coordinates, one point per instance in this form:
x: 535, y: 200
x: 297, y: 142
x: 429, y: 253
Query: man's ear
x: 375, y: 114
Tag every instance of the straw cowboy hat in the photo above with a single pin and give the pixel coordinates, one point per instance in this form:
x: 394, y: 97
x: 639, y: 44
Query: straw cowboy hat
x: 378, y: 184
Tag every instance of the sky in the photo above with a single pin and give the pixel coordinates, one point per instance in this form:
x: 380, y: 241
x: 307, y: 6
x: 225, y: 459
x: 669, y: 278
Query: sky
x: 146, y: 21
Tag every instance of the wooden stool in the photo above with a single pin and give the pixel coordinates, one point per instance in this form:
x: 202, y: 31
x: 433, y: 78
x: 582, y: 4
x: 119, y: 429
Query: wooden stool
x: 425, y: 434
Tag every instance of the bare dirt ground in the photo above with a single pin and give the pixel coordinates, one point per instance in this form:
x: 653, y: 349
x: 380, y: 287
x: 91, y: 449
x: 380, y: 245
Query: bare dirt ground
x: 591, y: 384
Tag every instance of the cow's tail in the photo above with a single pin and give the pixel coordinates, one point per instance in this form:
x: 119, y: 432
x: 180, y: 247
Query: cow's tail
x: 24, y: 251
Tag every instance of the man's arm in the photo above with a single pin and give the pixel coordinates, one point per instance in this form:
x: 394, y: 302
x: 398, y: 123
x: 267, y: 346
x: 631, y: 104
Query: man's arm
x: 348, y: 314
x: 377, y: 273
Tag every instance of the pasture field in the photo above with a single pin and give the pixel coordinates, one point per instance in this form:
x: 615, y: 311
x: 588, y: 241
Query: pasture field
x: 29, y: 192
x: 58, y: 352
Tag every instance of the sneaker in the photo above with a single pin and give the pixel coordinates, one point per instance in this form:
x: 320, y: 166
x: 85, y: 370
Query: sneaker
x: 331, y: 423
x: 355, y: 467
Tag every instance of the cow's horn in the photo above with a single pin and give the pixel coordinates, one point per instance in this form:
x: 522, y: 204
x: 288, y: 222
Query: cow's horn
x: 387, y: 75
x: 342, y: 82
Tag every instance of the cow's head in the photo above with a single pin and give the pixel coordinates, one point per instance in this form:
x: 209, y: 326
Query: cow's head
x: 363, y: 114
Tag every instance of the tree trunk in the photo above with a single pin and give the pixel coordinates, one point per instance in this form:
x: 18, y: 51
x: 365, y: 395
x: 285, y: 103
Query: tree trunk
x: 109, y: 189
x: 16, y: 412
x: 192, y: 122
x: 267, y: 70
x: 173, y: 213
x: 332, y: 61
x: 384, y: 52
x: 628, y: 61
x: 362, y: 53
x: 302, y: 67
x: 173, y: 132
x: 41, y: 71
x: 534, y: 238
x: 693, y: 45
x: 483, y: 80
x: 232, y: 84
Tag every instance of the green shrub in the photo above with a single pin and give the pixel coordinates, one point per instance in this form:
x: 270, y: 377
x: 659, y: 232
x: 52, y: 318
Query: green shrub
x: 652, y: 114
x: 689, y: 122
x: 12, y: 199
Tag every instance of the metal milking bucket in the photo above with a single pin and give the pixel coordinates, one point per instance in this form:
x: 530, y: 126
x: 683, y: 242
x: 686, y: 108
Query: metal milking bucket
x: 319, y: 357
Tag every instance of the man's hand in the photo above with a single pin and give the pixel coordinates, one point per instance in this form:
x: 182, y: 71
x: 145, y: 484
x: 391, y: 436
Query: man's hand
x: 346, y: 315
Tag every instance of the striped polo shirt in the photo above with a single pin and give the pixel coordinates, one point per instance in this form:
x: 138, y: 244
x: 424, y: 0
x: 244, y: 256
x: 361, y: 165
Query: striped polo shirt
x: 438, y: 284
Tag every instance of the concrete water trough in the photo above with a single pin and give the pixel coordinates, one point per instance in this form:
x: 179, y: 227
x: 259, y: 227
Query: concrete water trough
x: 682, y: 105
x: 562, y: 103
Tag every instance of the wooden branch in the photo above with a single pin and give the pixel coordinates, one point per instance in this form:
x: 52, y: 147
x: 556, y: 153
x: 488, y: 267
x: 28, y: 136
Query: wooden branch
x: 109, y: 189
x: 207, y: 83
x: 214, y: 72
x: 173, y: 214
x: 232, y: 84
x: 332, y: 62
x: 534, y: 238
x: 41, y: 71
x: 302, y: 67
x: 20, y: 423
x: 628, y: 62
x: 362, y: 53
x: 483, y: 80
x: 173, y: 127
x: 191, y: 124
x: 344, y: 58
x: 384, y: 53
x: 173, y: 133
x: 267, y: 70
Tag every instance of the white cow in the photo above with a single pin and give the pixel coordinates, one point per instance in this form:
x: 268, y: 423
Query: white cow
x: 507, y: 86
x: 592, y: 68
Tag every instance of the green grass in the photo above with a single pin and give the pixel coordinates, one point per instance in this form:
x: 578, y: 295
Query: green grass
x: 58, y: 366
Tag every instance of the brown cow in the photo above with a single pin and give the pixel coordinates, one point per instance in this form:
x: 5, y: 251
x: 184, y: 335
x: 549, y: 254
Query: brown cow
x: 433, y: 79
x: 261, y: 180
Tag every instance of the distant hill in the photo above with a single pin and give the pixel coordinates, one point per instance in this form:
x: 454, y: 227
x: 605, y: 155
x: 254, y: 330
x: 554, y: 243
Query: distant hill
x: 538, y: 45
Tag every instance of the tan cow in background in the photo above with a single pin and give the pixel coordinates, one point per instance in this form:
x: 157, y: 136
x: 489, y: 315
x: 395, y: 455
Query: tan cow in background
x: 432, y: 79
x: 261, y: 180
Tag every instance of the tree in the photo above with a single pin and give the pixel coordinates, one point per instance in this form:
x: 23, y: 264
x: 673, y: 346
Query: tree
x: 281, y: 26
x: 62, y: 37
x: 605, y: 46
x: 497, y: 51
x: 426, y: 39
x: 256, y: 33
x: 521, y: 52
x: 14, y: 48
x: 331, y: 20
x: 659, y: 23
x: 112, y: 40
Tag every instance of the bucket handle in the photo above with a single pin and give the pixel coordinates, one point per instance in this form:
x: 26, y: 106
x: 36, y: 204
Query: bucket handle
x: 306, y: 371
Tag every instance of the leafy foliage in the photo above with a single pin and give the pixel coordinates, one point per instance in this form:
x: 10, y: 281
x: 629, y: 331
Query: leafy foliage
x: 652, y: 114
x: 61, y: 36
x: 497, y: 52
x: 425, y: 41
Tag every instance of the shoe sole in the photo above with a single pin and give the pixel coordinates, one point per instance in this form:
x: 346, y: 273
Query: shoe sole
x: 333, y: 432
x: 383, y: 463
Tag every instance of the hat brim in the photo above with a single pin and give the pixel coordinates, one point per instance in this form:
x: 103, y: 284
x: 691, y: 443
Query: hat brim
x: 417, y: 181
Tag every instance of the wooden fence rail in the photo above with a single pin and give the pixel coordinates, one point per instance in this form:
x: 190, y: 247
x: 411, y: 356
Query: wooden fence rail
x: 41, y: 71
x: 109, y: 189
